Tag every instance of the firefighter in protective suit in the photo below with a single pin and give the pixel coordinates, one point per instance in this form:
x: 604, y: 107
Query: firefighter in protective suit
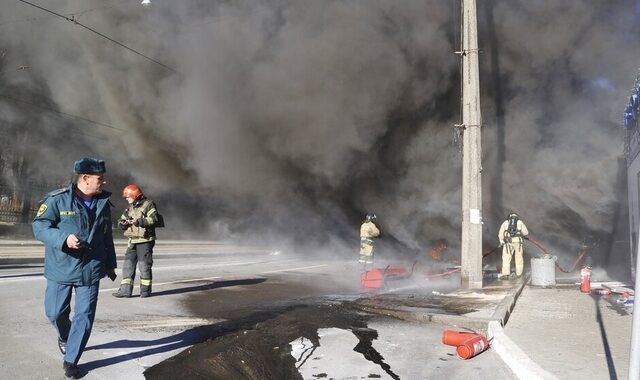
x: 138, y: 222
x: 368, y: 231
x: 511, y: 235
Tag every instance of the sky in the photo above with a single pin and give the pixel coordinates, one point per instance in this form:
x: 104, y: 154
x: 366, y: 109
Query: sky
x: 285, y: 122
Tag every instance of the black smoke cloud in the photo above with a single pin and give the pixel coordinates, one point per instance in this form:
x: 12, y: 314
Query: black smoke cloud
x: 288, y: 120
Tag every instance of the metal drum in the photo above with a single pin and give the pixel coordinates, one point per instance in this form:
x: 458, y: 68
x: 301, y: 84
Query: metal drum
x: 543, y: 271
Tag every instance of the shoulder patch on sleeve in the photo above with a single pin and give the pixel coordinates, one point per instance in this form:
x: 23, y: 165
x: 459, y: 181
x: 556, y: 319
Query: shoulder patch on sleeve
x: 58, y: 192
x: 41, y: 209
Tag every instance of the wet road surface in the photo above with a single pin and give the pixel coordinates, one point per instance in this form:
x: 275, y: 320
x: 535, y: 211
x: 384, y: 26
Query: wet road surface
x: 228, y: 312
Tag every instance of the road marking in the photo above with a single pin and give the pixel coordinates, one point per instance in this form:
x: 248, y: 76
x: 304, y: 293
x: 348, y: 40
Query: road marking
x: 218, y: 277
x: 170, y: 282
x: 186, y: 266
x: 30, y: 278
x: 17, y: 277
x: 173, y: 322
x: 3, y: 280
x: 291, y: 269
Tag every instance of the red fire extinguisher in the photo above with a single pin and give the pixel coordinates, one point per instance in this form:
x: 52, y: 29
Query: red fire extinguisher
x: 585, y: 279
x: 472, y: 346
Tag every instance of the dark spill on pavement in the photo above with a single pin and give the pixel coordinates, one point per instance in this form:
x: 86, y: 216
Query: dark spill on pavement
x: 265, y: 320
x: 365, y: 347
x: 264, y: 351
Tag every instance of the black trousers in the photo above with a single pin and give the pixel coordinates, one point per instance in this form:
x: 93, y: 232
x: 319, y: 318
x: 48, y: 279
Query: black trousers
x: 142, y: 255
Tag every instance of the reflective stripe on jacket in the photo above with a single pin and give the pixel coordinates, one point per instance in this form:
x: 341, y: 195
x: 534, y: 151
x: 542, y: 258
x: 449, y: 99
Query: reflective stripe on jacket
x: 144, y: 211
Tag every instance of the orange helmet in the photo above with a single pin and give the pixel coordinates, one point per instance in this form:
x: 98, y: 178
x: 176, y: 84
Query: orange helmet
x: 132, y: 191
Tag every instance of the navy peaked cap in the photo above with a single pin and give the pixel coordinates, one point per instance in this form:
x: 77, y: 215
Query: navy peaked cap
x: 89, y: 166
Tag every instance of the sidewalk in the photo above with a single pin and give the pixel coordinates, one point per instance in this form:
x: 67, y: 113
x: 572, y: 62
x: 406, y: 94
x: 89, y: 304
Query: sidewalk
x: 540, y: 333
x: 559, y: 332
x: 570, y: 334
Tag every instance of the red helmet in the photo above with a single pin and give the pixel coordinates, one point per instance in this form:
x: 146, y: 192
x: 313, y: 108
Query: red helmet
x: 132, y: 191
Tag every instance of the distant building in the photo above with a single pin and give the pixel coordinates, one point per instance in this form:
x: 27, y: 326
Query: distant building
x: 631, y: 124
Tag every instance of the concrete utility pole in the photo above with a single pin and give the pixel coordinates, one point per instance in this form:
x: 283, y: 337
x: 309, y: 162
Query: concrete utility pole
x: 471, y: 152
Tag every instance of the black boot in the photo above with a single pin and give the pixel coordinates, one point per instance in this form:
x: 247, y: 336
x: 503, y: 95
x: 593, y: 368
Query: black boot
x: 124, y: 291
x: 71, y: 371
x: 62, y: 345
x: 145, y: 290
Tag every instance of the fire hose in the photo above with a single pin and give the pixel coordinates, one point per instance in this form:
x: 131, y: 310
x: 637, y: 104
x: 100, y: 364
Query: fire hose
x: 575, y: 265
x: 583, y: 252
x: 442, y: 274
x: 428, y: 276
x: 537, y: 244
x: 492, y: 251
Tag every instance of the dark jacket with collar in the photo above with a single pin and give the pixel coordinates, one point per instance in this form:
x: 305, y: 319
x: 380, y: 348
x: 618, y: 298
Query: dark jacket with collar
x: 61, y: 214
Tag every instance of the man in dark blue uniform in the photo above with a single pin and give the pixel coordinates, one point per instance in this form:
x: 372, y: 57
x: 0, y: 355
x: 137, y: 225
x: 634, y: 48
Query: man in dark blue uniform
x: 74, y: 223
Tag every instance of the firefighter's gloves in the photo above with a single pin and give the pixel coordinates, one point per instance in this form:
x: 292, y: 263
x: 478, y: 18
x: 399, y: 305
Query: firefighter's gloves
x: 136, y: 222
x: 111, y: 273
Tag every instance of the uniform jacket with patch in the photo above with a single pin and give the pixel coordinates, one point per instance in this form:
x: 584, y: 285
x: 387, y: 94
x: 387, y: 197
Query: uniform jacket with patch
x: 144, y: 211
x: 61, y: 214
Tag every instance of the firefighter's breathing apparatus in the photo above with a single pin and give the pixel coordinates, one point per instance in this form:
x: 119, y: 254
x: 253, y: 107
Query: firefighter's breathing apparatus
x: 583, y: 252
x: 512, y: 231
x: 513, y: 223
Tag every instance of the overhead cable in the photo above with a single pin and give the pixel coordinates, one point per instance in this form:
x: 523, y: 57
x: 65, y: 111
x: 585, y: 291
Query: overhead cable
x: 75, y: 21
x: 61, y: 113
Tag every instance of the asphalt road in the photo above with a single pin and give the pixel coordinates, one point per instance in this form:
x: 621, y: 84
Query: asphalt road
x: 198, y: 286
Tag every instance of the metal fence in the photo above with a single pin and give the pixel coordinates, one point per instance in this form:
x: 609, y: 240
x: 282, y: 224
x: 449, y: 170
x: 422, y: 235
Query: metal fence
x: 19, y: 204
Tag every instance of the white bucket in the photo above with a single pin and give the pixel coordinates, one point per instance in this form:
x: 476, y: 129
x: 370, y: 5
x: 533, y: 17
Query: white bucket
x: 543, y: 271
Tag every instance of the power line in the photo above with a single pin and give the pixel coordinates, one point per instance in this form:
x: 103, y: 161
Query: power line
x: 61, y: 113
x: 77, y: 13
x: 75, y: 21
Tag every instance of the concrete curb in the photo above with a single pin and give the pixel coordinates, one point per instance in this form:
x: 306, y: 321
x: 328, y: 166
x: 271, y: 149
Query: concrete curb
x: 519, y: 363
x: 516, y: 359
x: 474, y: 324
x: 504, y: 309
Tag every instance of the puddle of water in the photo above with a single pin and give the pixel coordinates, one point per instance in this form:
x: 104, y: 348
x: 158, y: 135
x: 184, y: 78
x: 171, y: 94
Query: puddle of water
x: 340, y: 354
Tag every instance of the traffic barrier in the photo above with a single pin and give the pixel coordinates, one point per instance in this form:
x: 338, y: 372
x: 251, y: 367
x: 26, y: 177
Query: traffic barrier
x: 472, y: 347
